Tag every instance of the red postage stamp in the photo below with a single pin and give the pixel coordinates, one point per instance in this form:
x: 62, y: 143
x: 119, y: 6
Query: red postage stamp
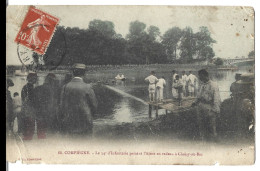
x: 37, y: 30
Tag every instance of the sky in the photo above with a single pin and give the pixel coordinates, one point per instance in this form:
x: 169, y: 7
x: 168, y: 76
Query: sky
x: 231, y: 27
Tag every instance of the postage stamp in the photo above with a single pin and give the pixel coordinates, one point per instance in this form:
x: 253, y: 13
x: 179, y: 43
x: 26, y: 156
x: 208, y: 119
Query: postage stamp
x: 33, y: 38
x: 37, y: 30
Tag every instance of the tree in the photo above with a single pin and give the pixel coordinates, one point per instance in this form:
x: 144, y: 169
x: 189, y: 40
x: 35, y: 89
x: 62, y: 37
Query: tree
x: 153, y: 32
x: 204, y: 43
x: 56, y: 52
x: 170, y: 41
x: 95, y: 46
x: 187, y: 45
x: 101, y: 45
x: 104, y: 27
x: 196, y: 45
x: 206, y: 53
x: 136, y: 42
x: 136, y: 29
x: 218, y: 61
x: 142, y: 46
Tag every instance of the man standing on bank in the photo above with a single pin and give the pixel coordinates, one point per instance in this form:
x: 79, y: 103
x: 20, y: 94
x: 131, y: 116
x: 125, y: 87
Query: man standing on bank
x: 174, y: 91
x: 78, y: 104
x: 28, y: 112
x: 9, y: 106
x: 184, y: 82
x: 45, y: 105
x: 192, y: 84
x: 208, y: 104
x: 159, y: 88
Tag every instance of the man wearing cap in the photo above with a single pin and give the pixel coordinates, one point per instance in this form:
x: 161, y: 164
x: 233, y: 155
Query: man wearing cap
x: 78, y: 103
x: 208, y: 103
x: 234, y: 88
x: 9, y: 106
x: 28, y: 110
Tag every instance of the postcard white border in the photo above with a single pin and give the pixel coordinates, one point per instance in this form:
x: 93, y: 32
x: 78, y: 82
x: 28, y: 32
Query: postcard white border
x: 255, y: 3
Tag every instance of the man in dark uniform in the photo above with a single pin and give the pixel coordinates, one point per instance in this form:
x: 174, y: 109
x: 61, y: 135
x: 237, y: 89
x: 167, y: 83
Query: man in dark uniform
x: 234, y: 88
x: 9, y: 106
x: 78, y: 103
x: 28, y: 110
x: 46, y: 105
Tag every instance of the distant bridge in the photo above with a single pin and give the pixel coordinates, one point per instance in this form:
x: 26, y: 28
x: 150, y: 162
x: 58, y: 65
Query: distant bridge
x: 239, y: 61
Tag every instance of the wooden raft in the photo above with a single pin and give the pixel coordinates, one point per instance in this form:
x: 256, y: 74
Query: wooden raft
x: 171, y: 105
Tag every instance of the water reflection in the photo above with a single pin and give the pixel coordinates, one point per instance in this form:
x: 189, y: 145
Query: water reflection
x: 123, y: 112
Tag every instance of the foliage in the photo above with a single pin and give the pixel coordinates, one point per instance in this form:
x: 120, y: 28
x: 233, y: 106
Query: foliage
x: 101, y: 45
x: 143, y: 47
x: 218, y: 61
x: 204, y: 43
x: 188, y: 45
x: 170, y: 42
x: 106, y: 28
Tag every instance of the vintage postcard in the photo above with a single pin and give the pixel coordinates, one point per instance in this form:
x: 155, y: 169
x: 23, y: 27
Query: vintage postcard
x: 130, y: 85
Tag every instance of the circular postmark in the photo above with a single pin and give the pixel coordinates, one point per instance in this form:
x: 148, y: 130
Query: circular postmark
x: 52, y: 58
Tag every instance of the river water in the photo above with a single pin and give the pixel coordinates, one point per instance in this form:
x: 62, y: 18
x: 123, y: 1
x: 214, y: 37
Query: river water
x: 121, y: 105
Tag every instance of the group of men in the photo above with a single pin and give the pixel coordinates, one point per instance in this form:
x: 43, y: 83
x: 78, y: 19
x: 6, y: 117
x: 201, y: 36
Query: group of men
x: 68, y: 108
x: 207, y: 103
x: 182, y: 85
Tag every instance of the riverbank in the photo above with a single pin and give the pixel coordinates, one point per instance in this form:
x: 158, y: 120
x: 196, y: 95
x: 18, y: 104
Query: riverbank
x: 93, y: 68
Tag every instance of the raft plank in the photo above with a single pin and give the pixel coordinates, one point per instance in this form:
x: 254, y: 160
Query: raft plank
x: 172, y: 105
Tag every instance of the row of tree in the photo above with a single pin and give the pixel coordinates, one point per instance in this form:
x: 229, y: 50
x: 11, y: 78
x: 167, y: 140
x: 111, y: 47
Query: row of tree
x: 101, y: 45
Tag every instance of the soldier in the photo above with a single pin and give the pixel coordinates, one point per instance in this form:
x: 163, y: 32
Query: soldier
x: 174, y: 91
x: 192, y: 83
x: 184, y: 81
x: 78, y: 103
x: 234, y: 88
x: 46, y: 105
x: 208, y: 103
x: 178, y: 85
x: 9, y: 106
x: 152, y: 82
x: 159, y: 88
x: 28, y: 110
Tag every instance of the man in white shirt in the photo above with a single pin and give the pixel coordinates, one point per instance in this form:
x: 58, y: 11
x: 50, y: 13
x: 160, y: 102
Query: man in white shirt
x: 152, y: 82
x: 118, y: 79
x: 184, y: 82
x: 192, y: 82
x: 159, y: 88
x: 174, y: 91
x: 207, y: 104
